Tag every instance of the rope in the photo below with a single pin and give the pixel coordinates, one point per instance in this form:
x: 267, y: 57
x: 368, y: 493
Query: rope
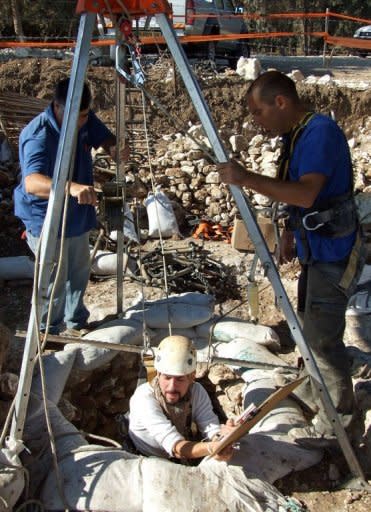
x: 41, y: 346
x: 151, y: 173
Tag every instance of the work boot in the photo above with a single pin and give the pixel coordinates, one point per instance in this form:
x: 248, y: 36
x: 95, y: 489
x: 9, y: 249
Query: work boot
x: 75, y: 333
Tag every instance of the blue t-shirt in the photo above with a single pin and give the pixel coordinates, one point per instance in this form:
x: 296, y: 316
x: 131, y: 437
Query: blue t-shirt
x: 38, y: 144
x: 323, y: 149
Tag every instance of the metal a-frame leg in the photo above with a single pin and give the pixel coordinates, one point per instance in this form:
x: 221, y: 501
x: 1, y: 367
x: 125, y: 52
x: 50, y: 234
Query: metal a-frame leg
x: 53, y: 216
x: 258, y: 240
x: 120, y: 95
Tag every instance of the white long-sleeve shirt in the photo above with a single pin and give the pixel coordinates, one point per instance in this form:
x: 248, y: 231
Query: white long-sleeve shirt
x: 153, y: 433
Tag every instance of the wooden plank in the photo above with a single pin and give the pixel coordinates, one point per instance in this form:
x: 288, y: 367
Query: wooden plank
x: 266, y: 406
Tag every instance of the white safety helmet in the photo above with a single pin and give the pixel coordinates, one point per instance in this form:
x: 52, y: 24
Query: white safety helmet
x: 176, y: 355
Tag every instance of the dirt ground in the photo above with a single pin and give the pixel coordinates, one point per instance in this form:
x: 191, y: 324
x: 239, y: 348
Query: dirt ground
x: 224, y: 92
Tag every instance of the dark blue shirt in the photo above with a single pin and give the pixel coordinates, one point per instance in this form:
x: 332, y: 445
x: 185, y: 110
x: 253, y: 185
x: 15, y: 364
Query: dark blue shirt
x: 322, y: 148
x: 38, y: 144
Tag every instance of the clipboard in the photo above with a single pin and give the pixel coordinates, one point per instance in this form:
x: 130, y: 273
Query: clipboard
x: 253, y: 417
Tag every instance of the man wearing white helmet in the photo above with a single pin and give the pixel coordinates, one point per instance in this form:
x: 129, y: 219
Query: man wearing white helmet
x: 162, y: 412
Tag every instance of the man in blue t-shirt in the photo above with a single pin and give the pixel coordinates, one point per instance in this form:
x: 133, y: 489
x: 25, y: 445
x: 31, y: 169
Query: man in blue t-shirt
x: 38, y: 145
x: 315, y: 180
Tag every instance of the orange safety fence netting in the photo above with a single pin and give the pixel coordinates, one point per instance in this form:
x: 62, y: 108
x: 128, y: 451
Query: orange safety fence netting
x: 159, y: 40
x: 349, y: 42
x: 350, y: 18
x: 287, y: 15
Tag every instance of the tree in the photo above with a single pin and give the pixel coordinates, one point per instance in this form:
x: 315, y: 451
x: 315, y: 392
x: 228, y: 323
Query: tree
x: 17, y: 20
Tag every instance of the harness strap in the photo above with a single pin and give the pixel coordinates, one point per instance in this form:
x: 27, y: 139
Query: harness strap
x: 290, y: 145
x: 285, y: 162
x: 353, y: 263
x: 337, y: 221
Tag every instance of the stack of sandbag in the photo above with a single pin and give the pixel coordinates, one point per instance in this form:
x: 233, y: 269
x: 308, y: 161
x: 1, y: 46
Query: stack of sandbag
x: 268, y: 450
x: 93, y: 477
x: 113, y: 480
x: 234, y: 338
x: 184, y: 310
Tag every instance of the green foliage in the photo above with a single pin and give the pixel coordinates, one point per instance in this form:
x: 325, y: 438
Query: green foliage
x: 49, y: 19
x: 41, y: 19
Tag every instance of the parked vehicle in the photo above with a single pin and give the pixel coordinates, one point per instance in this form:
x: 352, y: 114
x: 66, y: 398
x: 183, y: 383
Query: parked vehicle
x: 363, y: 33
x: 194, y: 18
x: 211, y: 17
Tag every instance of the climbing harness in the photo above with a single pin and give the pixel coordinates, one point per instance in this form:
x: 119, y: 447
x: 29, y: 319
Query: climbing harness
x: 331, y: 217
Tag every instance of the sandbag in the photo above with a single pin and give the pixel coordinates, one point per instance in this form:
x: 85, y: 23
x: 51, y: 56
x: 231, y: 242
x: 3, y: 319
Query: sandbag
x: 129, y: 227
x: 120, y: 331
x: 363, y: 205
x: 12, y: 476
x: 230, y: 328
x: 16, y: 267
x: 159, y: 334
x: 267, y: 450
x: 360, y: 303
x: 38, y: 459
x: 183, y: 311
x: 57, y: 368
x: 247, y: 350
x: 115, y: 481
x: 105, y: 263
x: 161, y: 216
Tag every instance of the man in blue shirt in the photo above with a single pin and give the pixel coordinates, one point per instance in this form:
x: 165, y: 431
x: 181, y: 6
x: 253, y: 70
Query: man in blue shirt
x: 315, y: 180
x: 38, y: 144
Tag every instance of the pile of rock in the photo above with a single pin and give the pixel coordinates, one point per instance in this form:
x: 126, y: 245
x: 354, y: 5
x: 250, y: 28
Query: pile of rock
x: 189, y: 177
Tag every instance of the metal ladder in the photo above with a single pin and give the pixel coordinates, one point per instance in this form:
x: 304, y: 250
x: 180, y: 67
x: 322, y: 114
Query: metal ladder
x: 48, y: 246
x: 134, y: 122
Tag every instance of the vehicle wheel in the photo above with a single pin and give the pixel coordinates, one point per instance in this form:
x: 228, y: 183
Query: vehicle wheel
x: 211, y: 51
x: 242, y: 51
x: 245, y: 50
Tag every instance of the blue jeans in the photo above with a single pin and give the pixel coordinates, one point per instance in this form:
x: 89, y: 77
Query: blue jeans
x: 68, y: 301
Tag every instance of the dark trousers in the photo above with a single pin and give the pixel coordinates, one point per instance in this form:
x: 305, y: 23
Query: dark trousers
x: 323, y: 305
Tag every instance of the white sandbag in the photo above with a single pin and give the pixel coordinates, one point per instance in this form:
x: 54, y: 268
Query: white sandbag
x: 57, y: 368
x: 129, y: 227
x: 67, y: 438
x: 16, y: 267
x: 121, y: 331
x: 12, y: 476
x: 183, y: 311
x: 203, y: 350
x: 115, y: 481
x: 159, y: 334
x: 105, y: 263
x: 359, y: 303
x: 161, y: 216
x: 363, y: 203
x: 247, y: 350
x: 230, y: 328
x: 267, y: 450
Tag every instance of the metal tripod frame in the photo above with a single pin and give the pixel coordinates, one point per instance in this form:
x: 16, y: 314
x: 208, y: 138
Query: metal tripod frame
x: 55, y: 208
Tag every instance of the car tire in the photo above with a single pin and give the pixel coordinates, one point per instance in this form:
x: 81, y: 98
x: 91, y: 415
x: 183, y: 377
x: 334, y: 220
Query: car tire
x: 242, y: 51
x: 211, y: 51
